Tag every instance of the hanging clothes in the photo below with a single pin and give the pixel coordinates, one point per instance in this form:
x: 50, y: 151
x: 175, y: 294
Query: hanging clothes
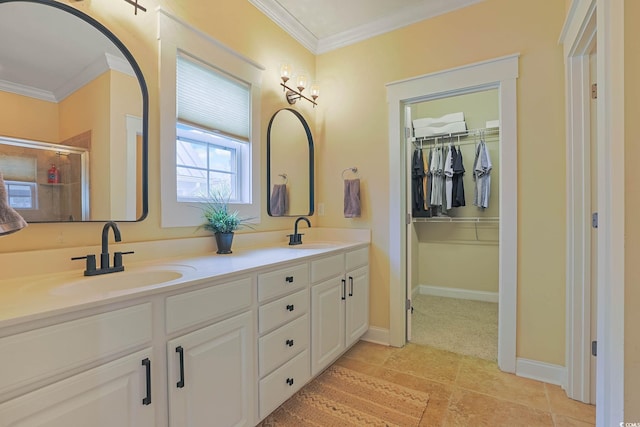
x: 448, y: 176
x: 482, y: 175
x: 457, y: 193
x: 417, y: 176
x: 436, y: 169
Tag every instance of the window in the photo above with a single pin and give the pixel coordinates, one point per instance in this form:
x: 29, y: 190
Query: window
x: 22, y: 195
x: 209, y: 124
x: 212, y: 154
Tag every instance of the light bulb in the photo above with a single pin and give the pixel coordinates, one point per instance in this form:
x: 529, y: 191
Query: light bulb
x: 302, y: 82
x: 315, y: 91
x: 285, y: 72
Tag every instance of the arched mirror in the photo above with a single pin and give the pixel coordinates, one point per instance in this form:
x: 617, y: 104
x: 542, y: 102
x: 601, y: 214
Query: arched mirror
x: 289, y: 165
x: 74, y: 117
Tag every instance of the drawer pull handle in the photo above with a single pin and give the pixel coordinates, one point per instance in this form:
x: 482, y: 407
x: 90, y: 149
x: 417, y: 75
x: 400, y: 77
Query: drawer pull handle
x: 147, y: 364
x: 344, y: 290
x: 289, y: 343
x: 290, y: 307
x: 350, y: 286
x: 180, y: 351
x: 290, y: 381
x: 289, y: 279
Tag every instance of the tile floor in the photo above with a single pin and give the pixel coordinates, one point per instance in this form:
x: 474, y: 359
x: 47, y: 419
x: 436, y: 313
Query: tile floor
x: 465, y: 391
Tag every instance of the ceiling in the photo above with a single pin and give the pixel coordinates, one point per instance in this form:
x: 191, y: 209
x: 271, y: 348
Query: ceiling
x: 325, y: 25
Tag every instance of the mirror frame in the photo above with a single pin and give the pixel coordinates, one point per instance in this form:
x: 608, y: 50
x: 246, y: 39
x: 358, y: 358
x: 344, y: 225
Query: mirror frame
x: 145, y: 101
x: 311, y: 162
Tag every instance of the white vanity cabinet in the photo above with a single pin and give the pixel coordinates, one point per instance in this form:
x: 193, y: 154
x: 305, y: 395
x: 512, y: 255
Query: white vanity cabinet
x: 211, y: 377
x: 117, y: 392
x: 339, y: 305
x: 283, y: 343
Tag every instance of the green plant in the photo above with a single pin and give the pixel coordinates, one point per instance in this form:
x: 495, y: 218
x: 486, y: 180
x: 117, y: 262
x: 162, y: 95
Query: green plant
x: 218, y: 218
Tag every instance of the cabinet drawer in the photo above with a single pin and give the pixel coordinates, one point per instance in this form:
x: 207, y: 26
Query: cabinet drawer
x: 357, y: 258
x: 283, y: 343
x: 326, y: 268
x: 283, y: 382
x: 45, y: 352
x: 282, y: 281
x: 279, y: 312
x: 193, y: 307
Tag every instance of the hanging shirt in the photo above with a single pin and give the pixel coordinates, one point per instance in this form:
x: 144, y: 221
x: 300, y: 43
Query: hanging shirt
x: 448, y: 177
x: 482, y: 175
x: 458, y: 173
x: 417, y: 175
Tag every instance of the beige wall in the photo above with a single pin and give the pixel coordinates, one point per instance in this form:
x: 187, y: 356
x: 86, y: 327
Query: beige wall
x: 632, y: 208
x: 28, y: 118
x: 351, y: 130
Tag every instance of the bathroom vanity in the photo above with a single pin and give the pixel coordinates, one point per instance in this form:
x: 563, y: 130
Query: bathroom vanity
x: 185, y: 341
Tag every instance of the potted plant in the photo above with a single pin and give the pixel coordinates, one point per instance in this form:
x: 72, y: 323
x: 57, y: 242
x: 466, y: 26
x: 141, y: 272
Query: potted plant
x: 221, y: 221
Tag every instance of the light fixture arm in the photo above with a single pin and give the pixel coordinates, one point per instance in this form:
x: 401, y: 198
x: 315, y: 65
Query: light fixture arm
x: 293, y: 95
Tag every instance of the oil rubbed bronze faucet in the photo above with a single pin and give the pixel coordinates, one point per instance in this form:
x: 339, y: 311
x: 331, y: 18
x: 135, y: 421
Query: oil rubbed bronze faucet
x: 105, y: 268
x: 296, y: 238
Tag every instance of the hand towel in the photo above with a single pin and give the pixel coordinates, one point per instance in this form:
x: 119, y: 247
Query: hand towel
x: 10, y: 220
x: 278, y: 202
x: 351, y: 198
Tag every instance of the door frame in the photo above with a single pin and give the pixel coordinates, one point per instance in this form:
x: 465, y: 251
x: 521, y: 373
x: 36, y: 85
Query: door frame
x: 499, y: 73
x: 609, y: 30
x: 579, y: 39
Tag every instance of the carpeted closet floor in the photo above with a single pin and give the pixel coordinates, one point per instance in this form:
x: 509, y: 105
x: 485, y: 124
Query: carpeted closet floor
x: 462, y: 326
x: 422, y: 386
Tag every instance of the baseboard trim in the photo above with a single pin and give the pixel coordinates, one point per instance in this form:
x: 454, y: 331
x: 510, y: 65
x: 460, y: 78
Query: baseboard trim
x: 376, y: 335
x: 457, y: 293
x: 541, y: 371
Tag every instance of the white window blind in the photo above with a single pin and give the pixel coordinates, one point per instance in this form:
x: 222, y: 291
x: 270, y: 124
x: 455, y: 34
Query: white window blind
x: 213, y: 100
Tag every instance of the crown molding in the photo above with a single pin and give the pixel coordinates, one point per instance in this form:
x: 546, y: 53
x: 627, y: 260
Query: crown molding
x: 403, y: 17
x: 31, y: 92
x: 287, y: 22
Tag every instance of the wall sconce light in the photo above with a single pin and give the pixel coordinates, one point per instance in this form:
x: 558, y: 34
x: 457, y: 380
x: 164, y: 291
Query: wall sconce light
x: 293, y: 95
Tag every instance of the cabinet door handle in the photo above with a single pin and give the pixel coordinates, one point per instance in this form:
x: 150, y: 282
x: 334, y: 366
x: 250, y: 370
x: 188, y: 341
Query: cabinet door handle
x: 290, y: 307
x: 147, y: 364
x: 344, y: 290
x: 289, y: 279
x: 289, y: 343
x: 290, y: 381
x: 180, y: 351
x: 350, y: 286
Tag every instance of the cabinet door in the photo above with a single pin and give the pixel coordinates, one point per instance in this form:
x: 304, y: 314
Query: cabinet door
x: 211, y: 378
x: 106, y: 396
x: 357, y: 304
x: 327, y: 322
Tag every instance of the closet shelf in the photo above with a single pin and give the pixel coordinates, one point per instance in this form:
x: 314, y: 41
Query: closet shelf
x: 480, y: 219
x: 487, y: 133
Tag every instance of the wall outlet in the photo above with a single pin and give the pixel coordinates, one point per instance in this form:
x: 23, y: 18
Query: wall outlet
x: 320, y: 209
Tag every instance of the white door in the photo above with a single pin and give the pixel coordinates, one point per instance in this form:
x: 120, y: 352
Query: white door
x: 594, y: 235
x: 211, y: 375
x: 106, y: 396
x: 327, y: 322
x: 409, y: 232
x: 357, y: 309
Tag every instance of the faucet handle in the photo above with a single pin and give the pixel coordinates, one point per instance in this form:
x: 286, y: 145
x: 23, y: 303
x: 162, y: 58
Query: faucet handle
x: 117, y: 258
x: 91, y: 263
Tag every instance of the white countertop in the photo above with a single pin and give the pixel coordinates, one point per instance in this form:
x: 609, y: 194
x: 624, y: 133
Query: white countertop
x: 37, y: 296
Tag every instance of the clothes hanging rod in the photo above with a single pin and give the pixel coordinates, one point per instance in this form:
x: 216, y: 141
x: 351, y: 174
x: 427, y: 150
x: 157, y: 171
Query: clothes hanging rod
x: 480, y: 219
x: 487, y: 132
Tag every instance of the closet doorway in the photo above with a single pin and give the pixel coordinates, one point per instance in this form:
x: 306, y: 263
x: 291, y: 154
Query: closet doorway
x: 453, y: 240
x: 499, y: 74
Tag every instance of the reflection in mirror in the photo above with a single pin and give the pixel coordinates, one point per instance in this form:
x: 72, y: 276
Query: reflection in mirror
x: 289, y: 165
x: 72, y: 101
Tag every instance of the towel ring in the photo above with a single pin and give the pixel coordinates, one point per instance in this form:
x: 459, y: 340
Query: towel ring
x: 352, y: 169
x: 284, y: 177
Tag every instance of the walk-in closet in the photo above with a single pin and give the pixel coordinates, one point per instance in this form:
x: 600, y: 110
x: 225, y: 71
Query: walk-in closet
x: 453, y: 241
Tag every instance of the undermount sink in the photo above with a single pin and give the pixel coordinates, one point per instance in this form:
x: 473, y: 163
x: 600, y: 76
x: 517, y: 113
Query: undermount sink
x: 313, y: 245
x: 113, y: 282
x: 137, y: 277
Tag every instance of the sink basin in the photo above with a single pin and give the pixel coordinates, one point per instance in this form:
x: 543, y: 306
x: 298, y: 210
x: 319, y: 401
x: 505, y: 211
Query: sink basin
x: 313, y: 245
x: 113, y: 282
